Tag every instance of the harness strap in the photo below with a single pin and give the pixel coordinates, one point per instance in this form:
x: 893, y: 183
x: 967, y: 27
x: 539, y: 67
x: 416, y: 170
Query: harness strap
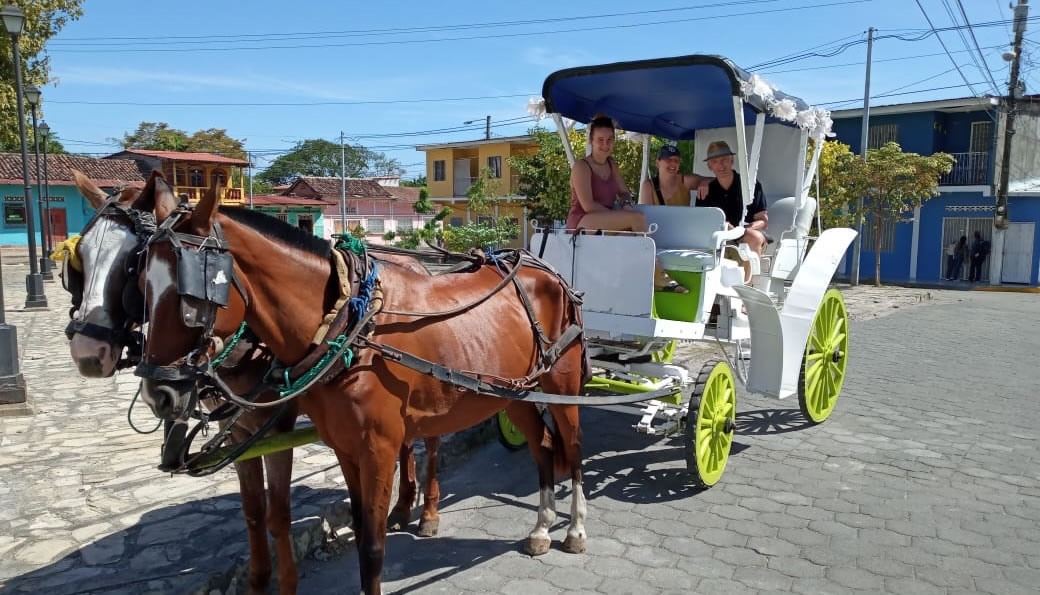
x: 465, y: 381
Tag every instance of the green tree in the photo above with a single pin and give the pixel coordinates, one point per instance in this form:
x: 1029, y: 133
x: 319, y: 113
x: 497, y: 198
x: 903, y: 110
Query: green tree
x: 155, y: 136
x: 543, y: 177
x: 216, y: 140
x: 896, y: 183
x: 43, y: 20
x: 418, y: 182
x: 53, y: 146
x: 841, y: 180
x: 358, y: 232
x: 319, y: 157
x: 489, y: 230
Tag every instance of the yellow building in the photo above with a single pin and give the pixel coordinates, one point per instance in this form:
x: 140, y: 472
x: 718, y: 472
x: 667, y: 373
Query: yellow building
x: 452, y: 167
x: 192, y: 173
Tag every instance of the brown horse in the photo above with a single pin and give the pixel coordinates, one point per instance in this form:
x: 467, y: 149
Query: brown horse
x: 367, y: 413
x: 107, y: 244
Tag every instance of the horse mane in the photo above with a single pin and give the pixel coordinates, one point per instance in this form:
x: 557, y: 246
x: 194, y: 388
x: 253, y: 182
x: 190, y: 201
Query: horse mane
x: 279, y: 230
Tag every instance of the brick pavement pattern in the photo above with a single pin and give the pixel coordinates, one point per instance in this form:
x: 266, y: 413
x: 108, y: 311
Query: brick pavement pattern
x: 924, y: 480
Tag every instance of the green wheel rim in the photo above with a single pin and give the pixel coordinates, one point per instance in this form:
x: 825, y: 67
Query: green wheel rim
x: 715, y: 423
x: 665, y: 355
x: 510, y: 435
x: 826, y: 356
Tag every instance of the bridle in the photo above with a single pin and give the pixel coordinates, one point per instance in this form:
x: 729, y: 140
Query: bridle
x: 132, y: 301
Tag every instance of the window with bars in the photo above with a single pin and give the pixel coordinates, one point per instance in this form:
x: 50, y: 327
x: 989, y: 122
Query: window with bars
x: 457, y: 222
x: 888, y: 235
x: 282, y: 217
x: 375, y: 226
x: 880, y: 134
x: 981, y: 136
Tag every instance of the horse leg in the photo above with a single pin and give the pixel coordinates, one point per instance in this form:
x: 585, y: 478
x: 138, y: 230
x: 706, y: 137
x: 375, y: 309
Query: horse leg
x: 377, y: 479
x: 251, y: 486
x: 279, y: 521
x: 526, y: 418
x: 352, y: 477
x: 567, y: 449
x: 430, y: 521
x: 402, y: 512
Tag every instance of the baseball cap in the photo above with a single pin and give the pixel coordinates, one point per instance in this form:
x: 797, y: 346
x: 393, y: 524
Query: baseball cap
x: 667, y: 152
x: 718, y: 148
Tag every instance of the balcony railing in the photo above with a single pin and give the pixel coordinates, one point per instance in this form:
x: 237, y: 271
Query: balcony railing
x: 970, y: 169
x: 463, y: 184
x: 228, y: 195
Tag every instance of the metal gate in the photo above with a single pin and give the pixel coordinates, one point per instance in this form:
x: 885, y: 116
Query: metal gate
x: 1017, y: 266
x: 953, y: 229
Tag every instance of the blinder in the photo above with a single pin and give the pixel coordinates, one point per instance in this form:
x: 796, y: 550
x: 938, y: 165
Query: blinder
x: 203, y: 283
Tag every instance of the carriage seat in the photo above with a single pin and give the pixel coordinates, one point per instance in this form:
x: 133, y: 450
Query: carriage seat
x: 688, y: 239
x: 790, y: 228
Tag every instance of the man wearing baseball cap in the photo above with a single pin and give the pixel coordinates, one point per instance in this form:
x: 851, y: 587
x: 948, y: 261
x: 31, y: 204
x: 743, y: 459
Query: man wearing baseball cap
x: 726, y: 193
x: 669, y: 187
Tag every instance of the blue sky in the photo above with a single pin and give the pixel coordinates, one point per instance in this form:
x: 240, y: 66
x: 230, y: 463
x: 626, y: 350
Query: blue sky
x: 378, y: 54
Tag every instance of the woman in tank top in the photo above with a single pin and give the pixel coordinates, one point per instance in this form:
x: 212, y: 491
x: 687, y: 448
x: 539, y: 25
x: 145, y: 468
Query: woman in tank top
x: 599, y: 197
x: 670, y: 187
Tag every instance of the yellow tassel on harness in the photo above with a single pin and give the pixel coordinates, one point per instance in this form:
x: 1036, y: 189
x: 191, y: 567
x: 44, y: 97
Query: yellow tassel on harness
x: 67, y: 249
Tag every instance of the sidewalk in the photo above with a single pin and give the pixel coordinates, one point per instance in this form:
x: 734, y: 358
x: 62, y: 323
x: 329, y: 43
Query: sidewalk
x: 944, y: 284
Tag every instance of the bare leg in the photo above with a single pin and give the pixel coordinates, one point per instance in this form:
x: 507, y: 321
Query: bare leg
x: 616, y: 220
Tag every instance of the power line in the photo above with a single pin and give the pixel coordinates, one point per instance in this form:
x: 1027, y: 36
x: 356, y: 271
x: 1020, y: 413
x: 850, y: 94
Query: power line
x: 985, y: 65
x: 466, y: 38
x: 306, y: 103
x: 943, y: 44
x: 843, y: 101
x: 901, y: 58
x: 253, y: 37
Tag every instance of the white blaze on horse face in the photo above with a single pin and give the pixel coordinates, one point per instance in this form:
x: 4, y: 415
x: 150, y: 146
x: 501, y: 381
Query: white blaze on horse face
x: 104, y: 247
x: 159, y: 280
x: 546, y: 513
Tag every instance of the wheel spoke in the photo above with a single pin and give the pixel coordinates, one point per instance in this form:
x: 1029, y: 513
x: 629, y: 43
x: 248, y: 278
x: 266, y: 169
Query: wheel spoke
x: 815, y: 356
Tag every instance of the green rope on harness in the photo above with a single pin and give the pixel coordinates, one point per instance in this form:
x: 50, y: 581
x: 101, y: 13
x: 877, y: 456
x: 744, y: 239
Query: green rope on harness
x: 349, y: 242
x: 336, y: 344
x: 231, y: 345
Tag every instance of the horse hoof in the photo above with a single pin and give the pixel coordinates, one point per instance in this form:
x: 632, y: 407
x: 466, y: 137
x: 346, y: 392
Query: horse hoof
x: 574, y: 545
x: 397, y: 521
x: 428, y: 528
x: 537, y: 546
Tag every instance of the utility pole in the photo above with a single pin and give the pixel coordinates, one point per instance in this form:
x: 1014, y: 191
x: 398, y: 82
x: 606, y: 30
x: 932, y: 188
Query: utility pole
x: 863, y: 144
x: 1000, y: 214
x: 342, y: 184
x: 1000, y: 219
x: 249, y: 158
x: 487, y: 129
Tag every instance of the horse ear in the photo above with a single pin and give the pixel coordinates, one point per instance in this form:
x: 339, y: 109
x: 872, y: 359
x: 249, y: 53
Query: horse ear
x: 94, y: 195
x: 206, y: 211
x: 157, y: 196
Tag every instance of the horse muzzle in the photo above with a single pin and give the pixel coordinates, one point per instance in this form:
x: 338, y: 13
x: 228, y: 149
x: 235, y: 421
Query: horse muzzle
x: 170, y: 401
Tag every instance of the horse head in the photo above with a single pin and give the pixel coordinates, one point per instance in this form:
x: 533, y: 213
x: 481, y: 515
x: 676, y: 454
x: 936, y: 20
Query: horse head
x: 101, y: 274
x: 187, y: 279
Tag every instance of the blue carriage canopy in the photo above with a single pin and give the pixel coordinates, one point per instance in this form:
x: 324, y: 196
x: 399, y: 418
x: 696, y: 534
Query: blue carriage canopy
x: 674, y: 97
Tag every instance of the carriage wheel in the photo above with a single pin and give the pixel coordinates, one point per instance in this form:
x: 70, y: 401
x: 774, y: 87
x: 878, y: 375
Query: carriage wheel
x: 826, y: 355
x: 710, y: 422
x: 509, y: 435
x: 665, y: 354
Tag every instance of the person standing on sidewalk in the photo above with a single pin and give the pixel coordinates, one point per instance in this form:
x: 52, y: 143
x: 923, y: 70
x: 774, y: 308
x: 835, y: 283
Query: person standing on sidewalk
x: 979, y: 252
x: 956, y: 251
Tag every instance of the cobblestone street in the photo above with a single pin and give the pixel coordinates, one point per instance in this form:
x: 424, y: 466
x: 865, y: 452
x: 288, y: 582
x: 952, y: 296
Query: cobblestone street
x: 86, y: 510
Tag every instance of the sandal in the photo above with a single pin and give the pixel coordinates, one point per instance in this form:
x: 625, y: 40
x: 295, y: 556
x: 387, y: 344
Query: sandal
x: 672, y: 287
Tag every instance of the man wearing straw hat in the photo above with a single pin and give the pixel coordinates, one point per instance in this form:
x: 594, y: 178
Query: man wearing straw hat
x: 726, y: 193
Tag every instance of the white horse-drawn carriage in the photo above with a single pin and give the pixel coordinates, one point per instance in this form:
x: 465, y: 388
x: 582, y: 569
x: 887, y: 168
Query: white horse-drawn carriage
x: 782, y: 331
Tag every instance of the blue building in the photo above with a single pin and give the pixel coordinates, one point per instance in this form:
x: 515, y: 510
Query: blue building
x: 968, y: 129
x: 69, y: 211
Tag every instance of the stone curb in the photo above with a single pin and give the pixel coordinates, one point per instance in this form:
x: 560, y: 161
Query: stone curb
x: 311, y: 534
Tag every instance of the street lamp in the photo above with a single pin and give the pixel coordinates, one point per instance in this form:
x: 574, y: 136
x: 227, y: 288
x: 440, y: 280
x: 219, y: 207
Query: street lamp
x: 12, y: 384
x: 32, y: 97
x: 48, y: 242
x: 14, y: 20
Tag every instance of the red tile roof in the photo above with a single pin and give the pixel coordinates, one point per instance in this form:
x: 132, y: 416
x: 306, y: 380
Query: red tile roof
x: 329, y: 188
x: 182, y: 156
x: 407, y: 193
x: 280, y: 199
x: 106, y: 173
